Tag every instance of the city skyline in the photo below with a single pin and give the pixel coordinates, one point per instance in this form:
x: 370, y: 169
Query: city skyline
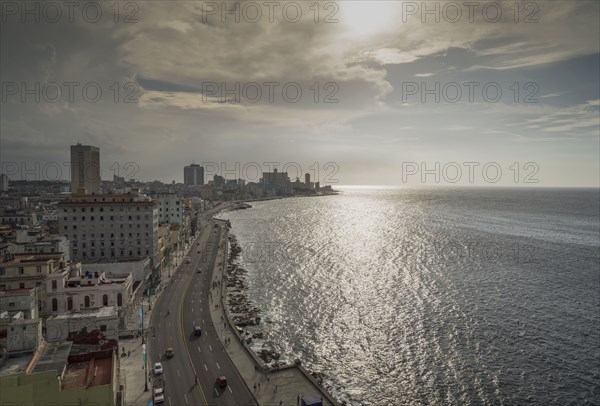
x: 368, y: 87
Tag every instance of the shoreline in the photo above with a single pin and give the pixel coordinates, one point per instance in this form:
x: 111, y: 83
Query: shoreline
x: 242, y: 315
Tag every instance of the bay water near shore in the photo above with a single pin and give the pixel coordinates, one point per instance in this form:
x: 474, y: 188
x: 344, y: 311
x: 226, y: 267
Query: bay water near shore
x: 430, y: 296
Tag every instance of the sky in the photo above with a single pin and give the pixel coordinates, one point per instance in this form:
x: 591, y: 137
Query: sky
x: 354, y: 92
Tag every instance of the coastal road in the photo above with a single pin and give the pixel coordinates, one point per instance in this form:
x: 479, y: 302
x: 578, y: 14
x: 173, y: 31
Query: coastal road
x: 185, y: 303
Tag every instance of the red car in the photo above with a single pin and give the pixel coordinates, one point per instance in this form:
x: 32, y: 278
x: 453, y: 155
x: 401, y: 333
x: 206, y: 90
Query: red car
x: 221, y: 382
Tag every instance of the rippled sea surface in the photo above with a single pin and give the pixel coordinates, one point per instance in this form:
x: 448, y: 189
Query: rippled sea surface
x: 464, y: 296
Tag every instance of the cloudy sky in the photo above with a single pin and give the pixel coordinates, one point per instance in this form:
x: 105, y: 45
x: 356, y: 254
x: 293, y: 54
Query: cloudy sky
x: 361, y: 92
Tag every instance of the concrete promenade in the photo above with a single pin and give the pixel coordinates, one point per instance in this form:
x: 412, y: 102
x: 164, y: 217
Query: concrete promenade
x: 282, y: 387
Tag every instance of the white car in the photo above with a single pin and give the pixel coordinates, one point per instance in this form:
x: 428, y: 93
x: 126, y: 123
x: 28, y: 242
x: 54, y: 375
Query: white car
x: 159, y: 395
x: 158, y: 369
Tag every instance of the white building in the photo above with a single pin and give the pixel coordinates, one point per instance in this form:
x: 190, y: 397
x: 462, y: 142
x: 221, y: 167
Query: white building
x: 23, y: 301
x: 105, y: 320
x: 23, y: 335
x: 170, y: 208
x: 73, y: 289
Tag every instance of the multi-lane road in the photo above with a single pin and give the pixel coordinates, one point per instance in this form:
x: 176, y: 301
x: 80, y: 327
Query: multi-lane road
x: 184, y: 303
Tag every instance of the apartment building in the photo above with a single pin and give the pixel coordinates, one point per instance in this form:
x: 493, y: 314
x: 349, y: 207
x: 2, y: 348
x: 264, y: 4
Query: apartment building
x: 74, y: 289
x: 26, y: 271
x: 104, y: 228
x: 170, y: 207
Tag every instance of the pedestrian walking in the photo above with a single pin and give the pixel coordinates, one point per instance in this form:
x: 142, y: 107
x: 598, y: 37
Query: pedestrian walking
x: 254, y: 387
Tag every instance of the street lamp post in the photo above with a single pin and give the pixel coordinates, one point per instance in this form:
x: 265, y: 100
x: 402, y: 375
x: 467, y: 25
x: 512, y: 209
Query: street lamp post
x: 145, y: 369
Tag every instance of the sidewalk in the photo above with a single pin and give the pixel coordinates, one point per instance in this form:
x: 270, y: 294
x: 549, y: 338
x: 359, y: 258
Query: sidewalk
x: 285, y: 386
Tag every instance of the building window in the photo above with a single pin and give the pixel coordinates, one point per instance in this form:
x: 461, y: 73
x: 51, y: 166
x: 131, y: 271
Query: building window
x: 2, y: 271
x: 3, y: 287
x: 21, y: 286
x: 21, y: 270
x: 104, y: 300
x: 54, y: 285
x: 119, y: 300
x: 38, y: 269
x: 11, y: 304
x: 54, y: 305
x: 103, y: 327
x: 69, y: 303
x: 86, y: 301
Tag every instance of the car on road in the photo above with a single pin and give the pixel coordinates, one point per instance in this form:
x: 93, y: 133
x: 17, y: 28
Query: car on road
x: 159, y: 396
x: 169, y: 353
x: 187, y: 260
x: 197, y: 331
x: 221, y: 382
x: 158, y: 392
x: 199, y: 270
x: 158, y: 369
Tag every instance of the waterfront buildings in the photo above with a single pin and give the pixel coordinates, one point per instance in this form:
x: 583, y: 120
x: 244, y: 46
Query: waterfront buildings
x: 74, y: 289
x: 276, y: 183
x: 170, y: 207
x: 110, y: 227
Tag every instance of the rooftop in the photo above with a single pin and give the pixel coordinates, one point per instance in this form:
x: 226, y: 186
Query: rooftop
x: 54, y: 357
x: 15, y: 365
x: 16, y: 292
x: 29, y: 257
x: 108, y: 311
x: 95, y: 372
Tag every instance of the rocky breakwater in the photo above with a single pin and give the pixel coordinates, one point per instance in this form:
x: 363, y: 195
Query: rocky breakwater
x: 244, y: 314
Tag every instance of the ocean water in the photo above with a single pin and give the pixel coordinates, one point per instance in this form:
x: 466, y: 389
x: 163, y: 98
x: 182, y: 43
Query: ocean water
x: 447, y: 296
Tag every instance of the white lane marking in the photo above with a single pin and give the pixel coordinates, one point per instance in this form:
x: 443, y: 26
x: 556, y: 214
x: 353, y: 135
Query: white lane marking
x: 184, y: 395
x: 218, y: 365
x: 192, y: 310
x: 205, y: 368
x: 199, y: 349
x: 169, y: 401
x: 229, y: 387
x: 210, y: 346
x: 178, y: 373
x: 216, y: 391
